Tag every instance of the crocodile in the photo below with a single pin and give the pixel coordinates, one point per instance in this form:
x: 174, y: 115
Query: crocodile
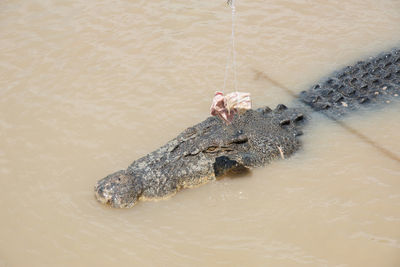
x: 213, y: 149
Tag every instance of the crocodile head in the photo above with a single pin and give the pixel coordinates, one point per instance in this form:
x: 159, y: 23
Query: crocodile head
x: 204, y: 152
x: 119, y: 190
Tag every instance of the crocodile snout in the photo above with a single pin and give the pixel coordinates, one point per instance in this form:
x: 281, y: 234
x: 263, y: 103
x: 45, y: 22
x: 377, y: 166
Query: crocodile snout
x: 119, y: 190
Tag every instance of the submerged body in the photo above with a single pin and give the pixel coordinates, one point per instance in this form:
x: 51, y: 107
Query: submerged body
x: 211, y: 148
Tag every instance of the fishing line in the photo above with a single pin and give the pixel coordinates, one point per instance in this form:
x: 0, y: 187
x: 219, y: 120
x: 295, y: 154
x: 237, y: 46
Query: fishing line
x: 232, y: 49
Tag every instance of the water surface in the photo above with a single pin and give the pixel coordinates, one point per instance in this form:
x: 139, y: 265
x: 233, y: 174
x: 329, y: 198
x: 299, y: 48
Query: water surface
x: 88, y: 86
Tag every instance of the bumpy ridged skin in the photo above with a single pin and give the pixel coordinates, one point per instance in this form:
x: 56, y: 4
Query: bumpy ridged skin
x: 203, y: 152
x: 373, y: 81
x: 211, y: 149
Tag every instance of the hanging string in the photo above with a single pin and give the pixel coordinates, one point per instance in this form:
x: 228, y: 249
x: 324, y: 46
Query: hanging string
x: 232, y: 49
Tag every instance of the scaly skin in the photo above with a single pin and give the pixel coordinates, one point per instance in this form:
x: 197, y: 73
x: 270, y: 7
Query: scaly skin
x: 369, y: 82
x: 211, y: 149
x: 203, y: 152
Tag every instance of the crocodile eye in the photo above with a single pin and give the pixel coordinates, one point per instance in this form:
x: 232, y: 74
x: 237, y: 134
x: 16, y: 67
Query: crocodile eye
x: 211, y: 149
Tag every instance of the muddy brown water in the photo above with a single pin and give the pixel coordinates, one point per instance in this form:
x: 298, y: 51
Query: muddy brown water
x: 88, y: 86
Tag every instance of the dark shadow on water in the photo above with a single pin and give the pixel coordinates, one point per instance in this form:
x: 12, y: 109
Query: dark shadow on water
x: 259, y: 75
x: 238, y: 173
